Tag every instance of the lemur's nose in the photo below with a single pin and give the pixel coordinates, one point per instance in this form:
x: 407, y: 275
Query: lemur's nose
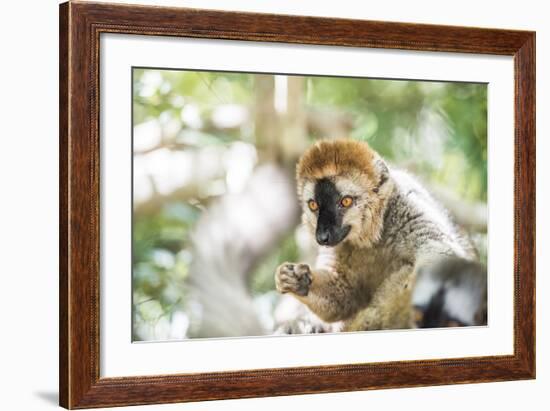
x: 323, y: 237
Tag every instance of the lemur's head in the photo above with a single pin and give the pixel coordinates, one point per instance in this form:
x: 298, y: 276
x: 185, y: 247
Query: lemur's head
x: 343, y: 186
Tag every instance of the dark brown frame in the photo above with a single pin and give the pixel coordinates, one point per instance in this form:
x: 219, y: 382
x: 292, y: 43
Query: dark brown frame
x: 80, y: 27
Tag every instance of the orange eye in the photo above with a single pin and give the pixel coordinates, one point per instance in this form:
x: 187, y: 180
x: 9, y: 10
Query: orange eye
x: 312, y: 204
x: 346, y: 201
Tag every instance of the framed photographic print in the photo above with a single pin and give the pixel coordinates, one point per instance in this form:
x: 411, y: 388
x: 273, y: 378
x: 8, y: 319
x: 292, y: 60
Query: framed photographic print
x: 259, y: 205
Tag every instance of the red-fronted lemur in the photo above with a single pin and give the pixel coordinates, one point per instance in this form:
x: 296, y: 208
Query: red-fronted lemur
x: 381, y: 235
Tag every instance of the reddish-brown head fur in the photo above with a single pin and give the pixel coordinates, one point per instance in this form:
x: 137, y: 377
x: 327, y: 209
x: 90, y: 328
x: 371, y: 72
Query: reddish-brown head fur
x: 336, y: 158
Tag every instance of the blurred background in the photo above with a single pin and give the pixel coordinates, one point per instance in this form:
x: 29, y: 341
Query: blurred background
x: 215, y: 208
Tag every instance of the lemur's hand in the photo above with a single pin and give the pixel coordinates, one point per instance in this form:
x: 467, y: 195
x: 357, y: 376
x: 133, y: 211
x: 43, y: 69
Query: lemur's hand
x: 293, y: 278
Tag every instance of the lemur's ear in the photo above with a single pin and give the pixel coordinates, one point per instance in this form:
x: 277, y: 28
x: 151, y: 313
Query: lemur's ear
x: 383, y: 173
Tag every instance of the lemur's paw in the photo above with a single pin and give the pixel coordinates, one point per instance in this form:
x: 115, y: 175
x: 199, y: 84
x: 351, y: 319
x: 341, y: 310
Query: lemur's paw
x: 293, y: 278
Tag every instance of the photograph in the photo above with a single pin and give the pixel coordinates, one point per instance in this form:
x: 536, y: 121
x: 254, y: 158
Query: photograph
x: 269, y: 204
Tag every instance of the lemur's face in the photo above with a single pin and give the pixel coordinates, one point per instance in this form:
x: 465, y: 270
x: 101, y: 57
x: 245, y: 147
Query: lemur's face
x: 333, y: 209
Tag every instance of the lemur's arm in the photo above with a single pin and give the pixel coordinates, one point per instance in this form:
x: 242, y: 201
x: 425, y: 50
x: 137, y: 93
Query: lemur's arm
x: 390, y: 306
x: 329, y: 294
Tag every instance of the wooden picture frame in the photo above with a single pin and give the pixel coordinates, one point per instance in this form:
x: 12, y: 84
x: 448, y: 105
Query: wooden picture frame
x: 80, y: 27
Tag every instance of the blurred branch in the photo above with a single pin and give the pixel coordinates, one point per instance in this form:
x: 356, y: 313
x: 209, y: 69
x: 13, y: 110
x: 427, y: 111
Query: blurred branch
x: 296, y: 124
x: 172, y: 145
x: 293, y: 139
x: 231, y: 237
x: 176, y: 176
x: 155, y: 202
x: 265, y: 117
